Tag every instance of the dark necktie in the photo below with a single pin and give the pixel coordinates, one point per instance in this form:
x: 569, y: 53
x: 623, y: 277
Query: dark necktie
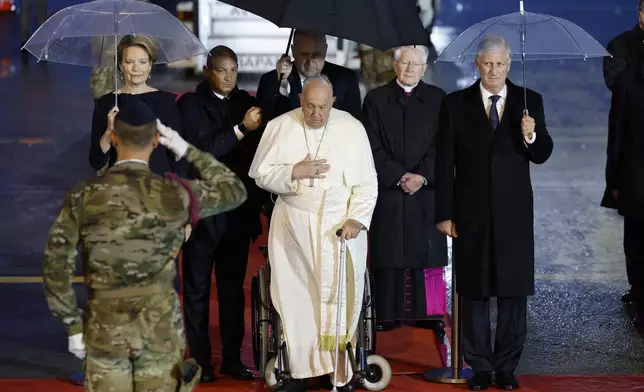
x: 494, y: 113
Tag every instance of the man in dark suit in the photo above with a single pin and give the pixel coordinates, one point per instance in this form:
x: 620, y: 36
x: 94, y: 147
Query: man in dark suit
x: 309, y: 51
x: 625, y: 175
x: 484, y: 201
x: 627, y: 49
x: 221, y: 119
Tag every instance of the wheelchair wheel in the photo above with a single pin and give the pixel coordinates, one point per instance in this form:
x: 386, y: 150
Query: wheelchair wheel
x: 270, y: 374
x: 255, y: 317
x: 379, y: 374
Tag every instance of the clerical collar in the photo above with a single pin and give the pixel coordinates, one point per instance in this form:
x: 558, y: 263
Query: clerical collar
x: 406, y: 89
x: 131, y: 161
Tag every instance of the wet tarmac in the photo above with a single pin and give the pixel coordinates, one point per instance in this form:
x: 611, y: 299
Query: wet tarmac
x: 577, y: 324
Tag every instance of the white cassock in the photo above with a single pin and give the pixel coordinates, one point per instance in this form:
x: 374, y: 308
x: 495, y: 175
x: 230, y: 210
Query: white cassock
x: 302, y: 246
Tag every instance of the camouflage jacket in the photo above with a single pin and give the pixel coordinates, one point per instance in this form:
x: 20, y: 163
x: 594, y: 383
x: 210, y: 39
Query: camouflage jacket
x: 129, y: 225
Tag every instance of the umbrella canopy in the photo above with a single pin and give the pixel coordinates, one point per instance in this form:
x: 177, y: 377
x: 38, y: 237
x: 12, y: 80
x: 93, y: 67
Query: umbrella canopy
x: 531, y: 37
x: 381, y: 24
x: 86, y: 34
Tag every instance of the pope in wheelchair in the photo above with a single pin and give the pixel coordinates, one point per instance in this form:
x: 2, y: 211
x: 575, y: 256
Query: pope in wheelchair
x: 317, y: 247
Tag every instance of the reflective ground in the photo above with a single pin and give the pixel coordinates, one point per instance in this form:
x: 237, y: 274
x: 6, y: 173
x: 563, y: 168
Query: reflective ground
x: 577, y: 323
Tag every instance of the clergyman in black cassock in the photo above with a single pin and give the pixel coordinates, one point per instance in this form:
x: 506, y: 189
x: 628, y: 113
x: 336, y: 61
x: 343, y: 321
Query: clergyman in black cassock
x: 484, y: 200
x: 221, y: 119
x: 401, y: 119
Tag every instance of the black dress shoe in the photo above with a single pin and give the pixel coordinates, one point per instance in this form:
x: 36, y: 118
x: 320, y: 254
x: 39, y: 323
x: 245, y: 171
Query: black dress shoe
x: 347, y: 388
x: 237, y: 371
x: 628, y: 296
x: 291, y: 385
x: 480, y: 381
x: 207, y: 376
x: 506, y: 381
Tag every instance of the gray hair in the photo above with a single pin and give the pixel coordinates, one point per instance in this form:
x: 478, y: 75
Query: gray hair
x: 321, y: 78
x: 421, y: 50
x: 493, y: 43
x: 640, y: 6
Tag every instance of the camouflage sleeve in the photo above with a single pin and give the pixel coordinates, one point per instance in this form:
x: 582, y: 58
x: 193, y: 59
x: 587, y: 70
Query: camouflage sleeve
x: 219, y: 189
x: 59, y: 268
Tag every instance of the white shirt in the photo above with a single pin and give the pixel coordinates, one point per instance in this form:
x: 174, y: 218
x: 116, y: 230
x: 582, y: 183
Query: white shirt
x: 286, y: 91
x: 500, y: 105
x: 238, y: 133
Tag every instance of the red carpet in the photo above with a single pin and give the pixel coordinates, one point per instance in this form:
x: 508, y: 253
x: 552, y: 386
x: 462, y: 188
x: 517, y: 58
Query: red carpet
x: 410, y: 352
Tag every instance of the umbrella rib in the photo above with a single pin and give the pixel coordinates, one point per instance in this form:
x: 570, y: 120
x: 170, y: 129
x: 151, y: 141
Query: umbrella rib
x: 571, y: 36
x: 477, y: 37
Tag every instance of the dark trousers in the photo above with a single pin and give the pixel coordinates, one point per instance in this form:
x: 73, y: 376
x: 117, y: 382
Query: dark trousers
x: 229, y: 257
x: 634, y: 254
x: 477, y: 335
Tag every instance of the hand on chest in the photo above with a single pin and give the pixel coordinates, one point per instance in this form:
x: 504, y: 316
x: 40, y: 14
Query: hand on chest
x: 321, y: 145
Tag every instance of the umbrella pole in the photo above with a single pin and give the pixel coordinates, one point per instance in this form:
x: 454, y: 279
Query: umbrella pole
x: 455, y: 373
x: 523, y: 29
x: 116, y: 71
x: 279, y: 81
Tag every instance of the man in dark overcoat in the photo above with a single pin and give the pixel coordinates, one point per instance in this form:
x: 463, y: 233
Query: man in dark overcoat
x: 484, y: 201
x: 625, y: 175
x: 627, y: 51
x: 309, y: 53
x: 401, y: 119
x: 222, y: 120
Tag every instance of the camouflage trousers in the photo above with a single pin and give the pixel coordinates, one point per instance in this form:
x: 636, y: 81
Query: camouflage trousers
x: 148, y: 372
x: 135, y: 341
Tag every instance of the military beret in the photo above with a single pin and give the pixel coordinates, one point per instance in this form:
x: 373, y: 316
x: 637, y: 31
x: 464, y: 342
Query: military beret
x: 133, y: 111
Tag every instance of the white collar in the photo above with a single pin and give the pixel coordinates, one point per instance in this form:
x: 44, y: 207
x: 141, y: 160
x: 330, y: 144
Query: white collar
x: 220, y: 96
x: 131, y: 160
x: 485, y: 94
x: 406, y: 88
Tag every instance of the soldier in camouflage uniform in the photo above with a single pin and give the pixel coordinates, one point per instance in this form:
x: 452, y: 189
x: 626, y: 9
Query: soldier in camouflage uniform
x: 129, y: 224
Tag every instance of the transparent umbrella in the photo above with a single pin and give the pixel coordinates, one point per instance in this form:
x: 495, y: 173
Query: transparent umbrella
x: 537, y: 36
x: 87, y: 34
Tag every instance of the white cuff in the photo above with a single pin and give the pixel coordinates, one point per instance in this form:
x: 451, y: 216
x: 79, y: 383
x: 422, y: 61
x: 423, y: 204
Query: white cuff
x: 531, y: 140
x: 239, y: 134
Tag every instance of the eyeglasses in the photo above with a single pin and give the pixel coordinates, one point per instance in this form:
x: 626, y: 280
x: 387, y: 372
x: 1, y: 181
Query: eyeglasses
x: 407, y: 64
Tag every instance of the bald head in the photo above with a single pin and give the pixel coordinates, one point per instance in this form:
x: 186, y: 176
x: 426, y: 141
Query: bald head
x: 317, y: 100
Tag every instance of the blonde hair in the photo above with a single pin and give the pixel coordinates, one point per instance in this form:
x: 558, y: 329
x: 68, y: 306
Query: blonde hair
x: 149, y: 44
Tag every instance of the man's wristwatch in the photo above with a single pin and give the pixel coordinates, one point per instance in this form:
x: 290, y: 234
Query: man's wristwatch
x: 242, y: 128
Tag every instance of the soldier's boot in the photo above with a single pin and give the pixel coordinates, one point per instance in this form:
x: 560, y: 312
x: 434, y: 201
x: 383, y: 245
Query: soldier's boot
x: 189, y: 377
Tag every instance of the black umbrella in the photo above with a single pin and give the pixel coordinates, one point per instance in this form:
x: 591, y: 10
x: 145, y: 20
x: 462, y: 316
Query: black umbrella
x: 381, y: 24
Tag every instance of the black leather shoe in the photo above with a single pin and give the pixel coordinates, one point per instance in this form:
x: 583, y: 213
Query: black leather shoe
x: 480, y: 381
x: 207, y: 376
x: 238, y: 371
x: 628, y: 296
x: 291, y: 385
x: 506, y: 381
x: 347, y: 388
